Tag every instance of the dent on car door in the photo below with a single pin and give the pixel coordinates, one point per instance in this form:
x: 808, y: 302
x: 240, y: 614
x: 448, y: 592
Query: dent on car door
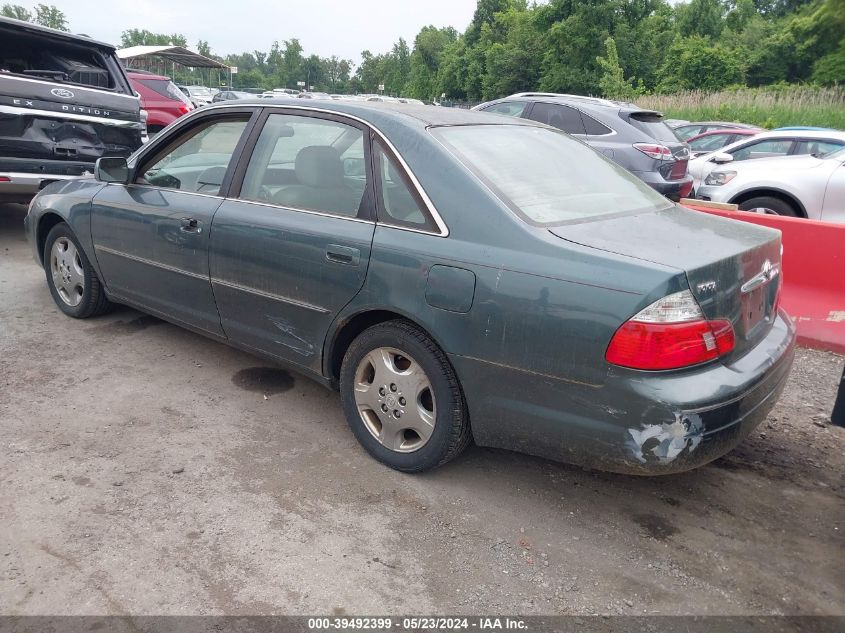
x: 151, y: 236
x: 291, y: 246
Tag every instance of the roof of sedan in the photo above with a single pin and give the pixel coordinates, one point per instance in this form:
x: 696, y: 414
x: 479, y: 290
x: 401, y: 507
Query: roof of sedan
x: 426, y: 115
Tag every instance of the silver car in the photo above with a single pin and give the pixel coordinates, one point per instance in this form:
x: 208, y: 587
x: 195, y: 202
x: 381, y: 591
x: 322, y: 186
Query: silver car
x: 800, y: 186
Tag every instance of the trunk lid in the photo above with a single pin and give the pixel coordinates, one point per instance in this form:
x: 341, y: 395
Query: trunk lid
x: 732, y: 267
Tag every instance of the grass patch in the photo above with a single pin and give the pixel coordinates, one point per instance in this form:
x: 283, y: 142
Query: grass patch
x: 771, y: 107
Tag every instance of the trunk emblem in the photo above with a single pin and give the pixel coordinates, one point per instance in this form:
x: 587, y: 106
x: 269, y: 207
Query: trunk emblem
x: 61, y: 92
x: 767, y: 273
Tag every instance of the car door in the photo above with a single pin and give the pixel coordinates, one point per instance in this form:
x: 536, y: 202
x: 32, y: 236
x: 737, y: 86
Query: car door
x: 833, y: 208
x: 291, y: 246
x: 151, y: 236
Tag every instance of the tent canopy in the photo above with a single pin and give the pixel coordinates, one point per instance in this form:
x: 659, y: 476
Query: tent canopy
x: 176, y: 54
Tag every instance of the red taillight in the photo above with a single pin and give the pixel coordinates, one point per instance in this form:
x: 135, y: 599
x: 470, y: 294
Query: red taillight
x: 658, y: 152
x: 669, y: 334
x: 5, y: 179
x: 185, y: 108
x: 685, y: 189
x: 679, y: 170
x: 669, y: 345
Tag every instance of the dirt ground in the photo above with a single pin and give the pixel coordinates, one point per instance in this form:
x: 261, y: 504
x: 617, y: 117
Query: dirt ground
x: 147, y: 470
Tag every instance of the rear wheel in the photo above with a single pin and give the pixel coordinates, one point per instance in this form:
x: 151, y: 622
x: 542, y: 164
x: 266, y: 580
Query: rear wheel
x: 75, y: 287
x: 402, y: 398
x: 770, y: 205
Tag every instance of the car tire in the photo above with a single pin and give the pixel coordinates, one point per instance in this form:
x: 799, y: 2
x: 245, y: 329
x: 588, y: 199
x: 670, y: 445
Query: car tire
x: 769, y: 204
x: 74, y: 284
x: 402, y: 399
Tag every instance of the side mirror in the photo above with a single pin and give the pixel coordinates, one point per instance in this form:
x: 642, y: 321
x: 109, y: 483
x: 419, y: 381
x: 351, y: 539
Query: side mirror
x: 721, y: 158
x: 112, y: 169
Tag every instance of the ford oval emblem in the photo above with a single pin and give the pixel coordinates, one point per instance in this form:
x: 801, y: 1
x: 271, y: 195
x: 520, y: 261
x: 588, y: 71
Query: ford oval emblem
x: 61, y: 92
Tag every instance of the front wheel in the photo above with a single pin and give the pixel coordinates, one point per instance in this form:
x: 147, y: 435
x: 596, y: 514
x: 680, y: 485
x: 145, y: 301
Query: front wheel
x: 402, y: 399
x: 770, y: 205
x: 74, y: 284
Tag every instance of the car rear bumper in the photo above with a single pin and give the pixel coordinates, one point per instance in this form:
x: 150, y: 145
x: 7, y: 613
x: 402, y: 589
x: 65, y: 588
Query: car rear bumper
x: 637, y: 422
x: 674, y: 189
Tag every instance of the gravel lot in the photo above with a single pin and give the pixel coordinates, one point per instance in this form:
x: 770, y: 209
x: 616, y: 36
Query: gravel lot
x: 147, y: 470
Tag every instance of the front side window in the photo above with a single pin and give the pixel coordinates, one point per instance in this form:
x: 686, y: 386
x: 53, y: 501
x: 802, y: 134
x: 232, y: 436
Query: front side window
x: 398, y: 204
x: 508, y: 108
x: 307, y: 163
x: 547, y: 177
x: 559, y: 116
x: 197, y: 161
x: 763, y: 149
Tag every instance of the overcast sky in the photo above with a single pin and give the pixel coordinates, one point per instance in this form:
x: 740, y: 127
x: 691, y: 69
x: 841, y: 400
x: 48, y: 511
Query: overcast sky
x: 325, y: 27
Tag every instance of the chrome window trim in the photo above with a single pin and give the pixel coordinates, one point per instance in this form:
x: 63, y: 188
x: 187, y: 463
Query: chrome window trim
x: 269, y: 295
x: 273, y: 205
x: 149, y: 262
x: 443, y: 230
x: 50, y: 114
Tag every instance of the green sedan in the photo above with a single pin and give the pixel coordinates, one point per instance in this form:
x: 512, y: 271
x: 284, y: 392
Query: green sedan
x: 458, y: 276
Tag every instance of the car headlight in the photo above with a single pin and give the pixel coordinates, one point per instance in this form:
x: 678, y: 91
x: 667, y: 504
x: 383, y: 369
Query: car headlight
x: 719, y: 178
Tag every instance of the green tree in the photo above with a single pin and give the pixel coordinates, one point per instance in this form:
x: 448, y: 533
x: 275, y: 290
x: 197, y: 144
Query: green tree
x: 695, y: 63
x: 613, y: 83
x: 49, y: 15
x: 143, y: 37
x: 16, y: 11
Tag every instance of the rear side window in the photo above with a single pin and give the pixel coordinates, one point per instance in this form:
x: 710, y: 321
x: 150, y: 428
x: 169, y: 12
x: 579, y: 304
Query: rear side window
x: 508, y: 108
x: 593, y: 127
x: 818, y: 148
x: 763, y: 149
x: 684, y: 132
x: 652, y: 124
x: 399, y: 205
x: 560, y: 116
x: 308, y: 163
x: 547, y: 177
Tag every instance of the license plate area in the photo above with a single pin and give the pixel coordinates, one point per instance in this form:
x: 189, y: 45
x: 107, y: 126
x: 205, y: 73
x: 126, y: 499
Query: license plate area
x: 753, y: 308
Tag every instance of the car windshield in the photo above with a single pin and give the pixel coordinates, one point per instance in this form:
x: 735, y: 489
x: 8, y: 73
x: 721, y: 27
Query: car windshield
x: 654, y: 125
x: 199, y: 92
x: 546, y: 176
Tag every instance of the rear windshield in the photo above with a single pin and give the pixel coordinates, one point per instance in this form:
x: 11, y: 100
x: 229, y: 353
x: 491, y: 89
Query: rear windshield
x: 41, y: 57
x: 546, y: 176
x: 165, y: 88
x: 652, y: 124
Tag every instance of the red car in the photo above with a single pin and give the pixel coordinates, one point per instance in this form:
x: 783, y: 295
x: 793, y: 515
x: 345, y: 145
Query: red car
x: 160, y: 97
x: 713, y: 140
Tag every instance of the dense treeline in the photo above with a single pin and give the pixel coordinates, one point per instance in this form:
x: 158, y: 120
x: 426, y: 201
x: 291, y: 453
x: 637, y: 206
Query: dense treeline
x: 618, y: 48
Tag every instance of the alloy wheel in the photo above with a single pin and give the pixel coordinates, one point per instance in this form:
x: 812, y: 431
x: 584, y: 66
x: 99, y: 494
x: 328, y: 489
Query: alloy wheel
x: 67, y: 272
x: 395, y: 400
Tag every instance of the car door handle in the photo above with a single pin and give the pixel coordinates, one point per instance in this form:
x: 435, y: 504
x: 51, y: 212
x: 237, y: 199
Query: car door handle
x: 190, y: 225
x: 343, y: 255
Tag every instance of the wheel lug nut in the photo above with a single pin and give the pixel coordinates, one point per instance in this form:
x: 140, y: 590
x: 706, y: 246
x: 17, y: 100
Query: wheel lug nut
x: 396, y: 414
x: 384, y: 408
x: 393, y: 386
x: 402, y: 401
x: 381, y: 391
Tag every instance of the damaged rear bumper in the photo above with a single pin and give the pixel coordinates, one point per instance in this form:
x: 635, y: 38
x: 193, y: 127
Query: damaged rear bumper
x: 637, y: 422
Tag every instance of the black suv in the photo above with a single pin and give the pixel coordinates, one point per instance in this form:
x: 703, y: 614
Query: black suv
x: 65, y: 101
x: 638, y: 140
